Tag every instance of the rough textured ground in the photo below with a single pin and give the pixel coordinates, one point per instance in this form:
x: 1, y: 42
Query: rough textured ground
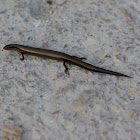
x: 37, y: 96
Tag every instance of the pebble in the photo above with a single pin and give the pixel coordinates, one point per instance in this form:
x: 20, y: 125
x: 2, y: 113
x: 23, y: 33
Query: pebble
x: 132, y: 98
x: 11, y: 132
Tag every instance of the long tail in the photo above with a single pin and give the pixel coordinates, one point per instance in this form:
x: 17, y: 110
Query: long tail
x: 96, y: 69
x: 101, y: 70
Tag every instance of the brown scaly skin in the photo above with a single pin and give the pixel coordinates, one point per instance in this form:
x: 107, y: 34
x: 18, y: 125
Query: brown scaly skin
x: 59, y: 56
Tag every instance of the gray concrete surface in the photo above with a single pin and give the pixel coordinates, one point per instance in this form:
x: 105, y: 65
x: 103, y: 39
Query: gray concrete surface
x: 37, y: 96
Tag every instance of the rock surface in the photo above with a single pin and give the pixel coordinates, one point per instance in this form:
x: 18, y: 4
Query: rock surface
x: 37, y: 96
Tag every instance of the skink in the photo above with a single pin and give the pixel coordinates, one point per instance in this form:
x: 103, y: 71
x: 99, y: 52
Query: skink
x: 59, y: 56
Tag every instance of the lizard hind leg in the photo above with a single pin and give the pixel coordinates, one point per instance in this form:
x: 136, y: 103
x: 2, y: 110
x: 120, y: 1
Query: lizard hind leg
x: 66, y: 68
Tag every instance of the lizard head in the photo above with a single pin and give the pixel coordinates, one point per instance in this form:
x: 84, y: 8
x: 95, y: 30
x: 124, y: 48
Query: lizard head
x: 12, y: 47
